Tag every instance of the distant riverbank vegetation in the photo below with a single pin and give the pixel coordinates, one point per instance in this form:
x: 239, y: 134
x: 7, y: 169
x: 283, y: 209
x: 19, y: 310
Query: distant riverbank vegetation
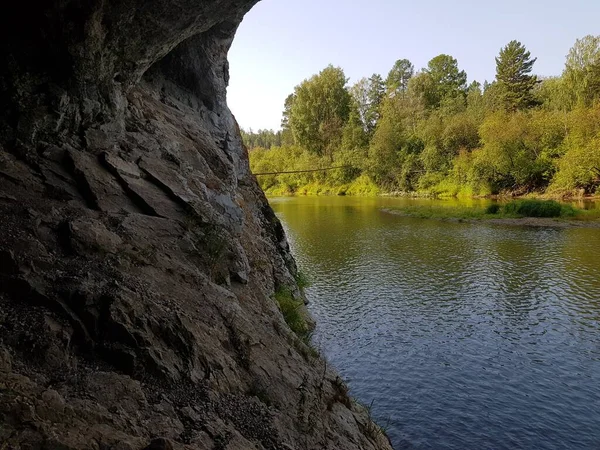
x: 428, y: 132
x: 513, y: 212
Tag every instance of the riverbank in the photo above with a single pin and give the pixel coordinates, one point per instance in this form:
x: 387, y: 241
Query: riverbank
x: 364, y: 187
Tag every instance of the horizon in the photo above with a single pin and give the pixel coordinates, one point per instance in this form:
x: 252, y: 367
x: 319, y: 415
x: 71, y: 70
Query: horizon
x: 270, y: 56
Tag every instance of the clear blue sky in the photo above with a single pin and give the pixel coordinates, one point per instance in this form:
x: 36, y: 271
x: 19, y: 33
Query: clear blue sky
x: 282, y: 42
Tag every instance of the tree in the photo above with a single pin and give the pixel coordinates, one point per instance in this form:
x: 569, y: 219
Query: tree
x: 582, y: 70
x: 360, y: 101
x: 375, y: 95
x: 367, y: 95
x: 475, y: 102
x: 287, y: 111
x: 398, y: 78
x: 446, y: 79
x: 287, y: 137
x: 515, y: 84
x: 554, y: 94
x: 422, y: 88
x: 355, y: 135
x: 319, y: 111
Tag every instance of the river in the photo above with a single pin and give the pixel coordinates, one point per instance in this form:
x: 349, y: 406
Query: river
x: 461, y: 335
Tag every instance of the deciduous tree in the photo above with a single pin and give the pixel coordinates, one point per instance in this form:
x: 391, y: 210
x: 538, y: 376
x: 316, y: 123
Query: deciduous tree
x: 320, y: 110
x: 582, y: 70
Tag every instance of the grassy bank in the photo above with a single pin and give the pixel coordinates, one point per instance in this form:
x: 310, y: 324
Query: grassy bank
x: 516, y: 209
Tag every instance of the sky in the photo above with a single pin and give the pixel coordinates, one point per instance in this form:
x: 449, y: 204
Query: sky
x: 280, y: 43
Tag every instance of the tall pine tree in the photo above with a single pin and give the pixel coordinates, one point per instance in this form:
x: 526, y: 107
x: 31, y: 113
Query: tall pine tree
x: 514, y: 82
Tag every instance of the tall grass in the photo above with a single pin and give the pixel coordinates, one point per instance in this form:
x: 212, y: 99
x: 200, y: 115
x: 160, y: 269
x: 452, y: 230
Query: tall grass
x: 537, y: 208
x: 302, y: 280
x: 513, y: 209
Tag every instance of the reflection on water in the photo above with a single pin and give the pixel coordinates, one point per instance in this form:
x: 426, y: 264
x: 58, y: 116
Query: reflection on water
x: 465, y: 336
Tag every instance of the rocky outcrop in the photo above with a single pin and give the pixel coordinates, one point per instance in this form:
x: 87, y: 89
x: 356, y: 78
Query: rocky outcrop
x: 138, y: 257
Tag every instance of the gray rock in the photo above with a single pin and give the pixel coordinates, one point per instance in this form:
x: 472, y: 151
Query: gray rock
x: 138, y: 256
x: 91, y: 236
x: 5, y: 361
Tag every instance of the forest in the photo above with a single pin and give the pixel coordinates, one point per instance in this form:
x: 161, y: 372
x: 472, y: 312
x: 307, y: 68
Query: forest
x: 430, y: 133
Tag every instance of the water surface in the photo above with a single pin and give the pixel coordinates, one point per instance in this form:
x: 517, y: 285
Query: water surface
x: 464, y: 336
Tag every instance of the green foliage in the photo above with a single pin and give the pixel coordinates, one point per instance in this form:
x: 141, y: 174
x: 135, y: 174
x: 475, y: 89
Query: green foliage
x: 441, y: 212
x: 261, y: 138
x: 319, y: 110
x: 398, y: 78
x: 367, y: 95
x: 292, y: 314
x: 552, y: 94
x: 513, y: 209
x: 582, y: 71
x: 447, y: 81
x: 537, y: 208
x: 494, y: 208
x: 429, y: 133
x: 579, y: 163
x: 302, y: 280
x: 355, y: 133
x: 363, y: 185
x: 515, y: 84
x: 515, y: 151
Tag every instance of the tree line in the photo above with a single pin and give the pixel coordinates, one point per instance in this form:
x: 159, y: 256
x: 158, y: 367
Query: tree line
x: 431, y: 132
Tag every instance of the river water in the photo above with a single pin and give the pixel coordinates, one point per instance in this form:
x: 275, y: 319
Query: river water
x: 462, y: 336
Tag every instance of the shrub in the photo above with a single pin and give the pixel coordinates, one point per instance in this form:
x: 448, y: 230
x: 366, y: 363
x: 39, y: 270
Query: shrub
x: 536, y: 208
x: 493, y: 209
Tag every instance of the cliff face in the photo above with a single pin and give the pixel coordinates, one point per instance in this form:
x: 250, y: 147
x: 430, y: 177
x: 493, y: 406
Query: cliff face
x: 138, y: 256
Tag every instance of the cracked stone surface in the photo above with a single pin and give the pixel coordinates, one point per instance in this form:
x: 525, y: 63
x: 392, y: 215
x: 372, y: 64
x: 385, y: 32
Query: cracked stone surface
x: 138, y: 256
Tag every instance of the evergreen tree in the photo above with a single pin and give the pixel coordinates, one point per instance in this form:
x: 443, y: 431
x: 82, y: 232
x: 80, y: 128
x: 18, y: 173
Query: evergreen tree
x: 398, y: 78
x: 515, y: 84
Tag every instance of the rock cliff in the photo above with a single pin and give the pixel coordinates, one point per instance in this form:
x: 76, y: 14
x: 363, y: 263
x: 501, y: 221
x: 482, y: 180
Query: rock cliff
x: 138, y: 256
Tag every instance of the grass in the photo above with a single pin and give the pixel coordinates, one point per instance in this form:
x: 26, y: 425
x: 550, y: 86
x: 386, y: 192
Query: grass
x: 292, y: 314
x: 443, y: 212
x: 371, y: 429
x: 588, y: 214
x: 537, y: 208
x: 511, y: 210
x: 302, y: 280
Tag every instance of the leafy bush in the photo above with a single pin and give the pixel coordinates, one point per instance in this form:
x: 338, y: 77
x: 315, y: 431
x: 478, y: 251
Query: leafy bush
x: 537, y: 208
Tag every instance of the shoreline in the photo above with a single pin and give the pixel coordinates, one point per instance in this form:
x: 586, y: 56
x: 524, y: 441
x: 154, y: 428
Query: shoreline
x: 415, y: 195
